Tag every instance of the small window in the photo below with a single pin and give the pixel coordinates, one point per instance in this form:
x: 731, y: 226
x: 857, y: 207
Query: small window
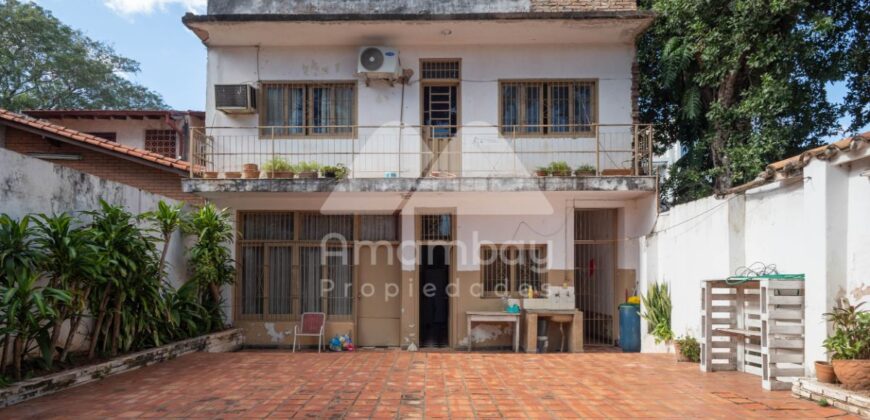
x: 548, y: 108
x: 106, y: 135
x: 308, y: 109
x: 162, y: 142
x: 511, y: 270
x: 379, y: 227
x: 439, y: 69
x: 436, y: 227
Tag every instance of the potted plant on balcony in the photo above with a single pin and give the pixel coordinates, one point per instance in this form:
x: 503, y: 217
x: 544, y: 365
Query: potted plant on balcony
x: 849, y: 345
x: 232, y: 175
x: 542, y: 171
x: 250, y: 171
x: 278, y: 168
x: 307, y: 170
x: 338, y: 171
x: 210, y: 174
x: 585, y: 170
x: 560, y: 168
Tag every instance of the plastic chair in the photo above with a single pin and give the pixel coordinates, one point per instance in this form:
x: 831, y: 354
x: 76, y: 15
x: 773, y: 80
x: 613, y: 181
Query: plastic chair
x: 313, y: 324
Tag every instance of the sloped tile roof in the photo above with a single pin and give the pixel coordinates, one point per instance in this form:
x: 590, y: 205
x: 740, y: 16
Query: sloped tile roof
x: 87, y: 139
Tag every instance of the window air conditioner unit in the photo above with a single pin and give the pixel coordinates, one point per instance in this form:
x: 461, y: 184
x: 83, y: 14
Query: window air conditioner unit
x: 381, y: 63
x: 235, y: 99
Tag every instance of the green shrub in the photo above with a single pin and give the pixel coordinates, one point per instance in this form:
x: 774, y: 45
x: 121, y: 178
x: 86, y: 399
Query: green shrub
x: 851, y: 338
x: 277, y: 165
x: 307, y: 167
x: 690, y: 348
x: 560, y: 167
x: 657, y: 305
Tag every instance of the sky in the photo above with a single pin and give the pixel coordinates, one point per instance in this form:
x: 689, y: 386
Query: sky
x: 173, y: 60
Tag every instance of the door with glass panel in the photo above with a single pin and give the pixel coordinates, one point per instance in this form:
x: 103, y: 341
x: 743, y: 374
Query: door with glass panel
x: 440, y: 80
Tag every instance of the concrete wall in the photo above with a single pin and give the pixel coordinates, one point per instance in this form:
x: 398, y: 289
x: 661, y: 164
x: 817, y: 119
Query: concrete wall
x: 29, y: 185
x: 409, y: 7
x: 815, y: 225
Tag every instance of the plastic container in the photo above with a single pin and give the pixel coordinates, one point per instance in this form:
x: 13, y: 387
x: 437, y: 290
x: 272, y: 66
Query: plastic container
x: 629, y: 328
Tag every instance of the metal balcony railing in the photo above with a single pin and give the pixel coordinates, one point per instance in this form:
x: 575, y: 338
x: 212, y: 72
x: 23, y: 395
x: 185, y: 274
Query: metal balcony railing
x: 422, y: 151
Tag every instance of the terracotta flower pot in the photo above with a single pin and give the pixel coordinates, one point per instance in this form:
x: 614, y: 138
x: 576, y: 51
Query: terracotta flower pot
x: 209, y: 175
x: 584, y: 173
x: 542, y: 173
x: 562, y: 173
x: 825, y: 373
x: 250, y: 167
x: 307, y: 175
x: 280, y: 174
x: 251, y: 174
x: 853, y: 374
x: 232, y: 175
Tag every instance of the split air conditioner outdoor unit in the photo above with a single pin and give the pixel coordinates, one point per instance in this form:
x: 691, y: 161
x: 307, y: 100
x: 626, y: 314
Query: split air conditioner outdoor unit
x: 379, y: 63
x: 235, y: 99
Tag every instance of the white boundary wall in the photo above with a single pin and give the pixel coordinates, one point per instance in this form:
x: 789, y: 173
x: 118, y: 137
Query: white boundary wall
x: 816, y: 224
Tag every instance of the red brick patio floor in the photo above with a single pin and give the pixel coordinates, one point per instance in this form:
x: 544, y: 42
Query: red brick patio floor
x: 393, y: 384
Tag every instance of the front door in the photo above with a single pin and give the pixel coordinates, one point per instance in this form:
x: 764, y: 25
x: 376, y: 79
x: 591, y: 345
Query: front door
x: 380, y: 308
x: 434, y: 302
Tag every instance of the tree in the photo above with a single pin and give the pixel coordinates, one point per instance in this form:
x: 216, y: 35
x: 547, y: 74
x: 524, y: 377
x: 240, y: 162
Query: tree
x: 45, y: 64
x: 742, y: 83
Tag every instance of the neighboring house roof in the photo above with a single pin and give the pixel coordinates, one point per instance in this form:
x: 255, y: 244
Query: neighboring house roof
x: 786, y: 167
x: 136, y: 114
x: 68, y: 135
x: 374, y: 16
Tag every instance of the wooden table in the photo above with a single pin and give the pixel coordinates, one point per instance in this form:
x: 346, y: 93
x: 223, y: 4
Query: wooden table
x: 494, y: 317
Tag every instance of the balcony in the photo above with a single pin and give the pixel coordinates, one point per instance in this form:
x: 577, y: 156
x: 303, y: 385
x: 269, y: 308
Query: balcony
x: 414, y: 152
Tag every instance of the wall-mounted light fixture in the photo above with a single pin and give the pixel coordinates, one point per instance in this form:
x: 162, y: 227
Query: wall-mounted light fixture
x: 56, y: 156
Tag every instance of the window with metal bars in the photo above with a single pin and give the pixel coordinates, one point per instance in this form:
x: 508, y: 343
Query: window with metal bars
x: 308, y: 109
x: 162, y: 142
x: 548, y: 108
x: 440, y: 69
x: 512, y: 269
x: 379, y: 227
x: 436, y: 227
x: 281, y: 274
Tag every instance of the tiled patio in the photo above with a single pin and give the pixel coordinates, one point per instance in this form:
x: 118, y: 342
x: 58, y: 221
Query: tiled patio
x: 391, y: 384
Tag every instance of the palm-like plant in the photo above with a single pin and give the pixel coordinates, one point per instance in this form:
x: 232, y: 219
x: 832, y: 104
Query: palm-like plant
x: 657, y: 305
x: 210, y: 257
x: 168, y: 219
x: 16, y: 253
x: 29, y: 316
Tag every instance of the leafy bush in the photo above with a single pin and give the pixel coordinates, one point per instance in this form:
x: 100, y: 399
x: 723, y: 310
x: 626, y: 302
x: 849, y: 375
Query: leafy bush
x: 338, y: 171
x: 277, y: 165
x: 657, y: 303
x: 307, y: 167
x: 690, y: 348
x: 560, y: 167
x: 586, y: 168
x: 851, y: 338
x: 210, y: 258
x: 543, y: 170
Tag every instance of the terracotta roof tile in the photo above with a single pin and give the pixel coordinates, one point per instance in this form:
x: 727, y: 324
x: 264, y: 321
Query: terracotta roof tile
x: 78, y: 136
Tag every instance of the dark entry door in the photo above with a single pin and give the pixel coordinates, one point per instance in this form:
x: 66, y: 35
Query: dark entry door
x: 434, y: 303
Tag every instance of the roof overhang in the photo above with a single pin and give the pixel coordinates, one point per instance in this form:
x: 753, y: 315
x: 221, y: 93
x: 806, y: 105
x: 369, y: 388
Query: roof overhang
x: 620, y: 27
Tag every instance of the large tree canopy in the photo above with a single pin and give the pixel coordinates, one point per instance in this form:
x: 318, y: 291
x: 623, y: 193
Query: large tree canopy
x: 742, y: 83
x: 46, y: 64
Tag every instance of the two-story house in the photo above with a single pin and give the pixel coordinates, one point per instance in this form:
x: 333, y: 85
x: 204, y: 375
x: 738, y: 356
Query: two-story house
x: 400, y: 165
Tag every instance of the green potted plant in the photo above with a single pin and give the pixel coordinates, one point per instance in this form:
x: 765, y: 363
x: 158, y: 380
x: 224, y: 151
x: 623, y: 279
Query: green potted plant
x: 687, y: 349
x: 849, y: 345
x: 338, y: 171
x: 560, y: 168
x: 657, y: 305
x: 542, y: 171
x: 278, y: 168
x: 307, y: 170
x: 585, y: 170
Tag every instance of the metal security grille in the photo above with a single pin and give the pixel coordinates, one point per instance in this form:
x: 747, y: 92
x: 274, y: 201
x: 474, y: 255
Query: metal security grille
x: 251, y: 268
x: 436, y: 69
x: 594, y: 272
x: 379, y: 228
x: 308, y: 109
x: 531, y: 268
x: 162, y: 142
x: 267, y: 226
x: 316, y: 227
x: 339, y: 271
x: 436, y: 227
x: 548, y: 108
x: 495, y: 270
x: 280, y: 269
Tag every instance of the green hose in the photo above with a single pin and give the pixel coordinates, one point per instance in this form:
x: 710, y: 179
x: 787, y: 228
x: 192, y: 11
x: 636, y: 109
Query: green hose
x: 737, y: 280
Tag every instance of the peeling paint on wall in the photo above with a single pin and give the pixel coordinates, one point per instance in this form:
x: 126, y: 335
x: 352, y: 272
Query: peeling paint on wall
x: 486, y: 332
x: 274, y: 334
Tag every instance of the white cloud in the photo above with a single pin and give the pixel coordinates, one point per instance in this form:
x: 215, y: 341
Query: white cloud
x: 132, y: 7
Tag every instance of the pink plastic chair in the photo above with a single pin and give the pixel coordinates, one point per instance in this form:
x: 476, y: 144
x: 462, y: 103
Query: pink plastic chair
x: 313, y: 324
